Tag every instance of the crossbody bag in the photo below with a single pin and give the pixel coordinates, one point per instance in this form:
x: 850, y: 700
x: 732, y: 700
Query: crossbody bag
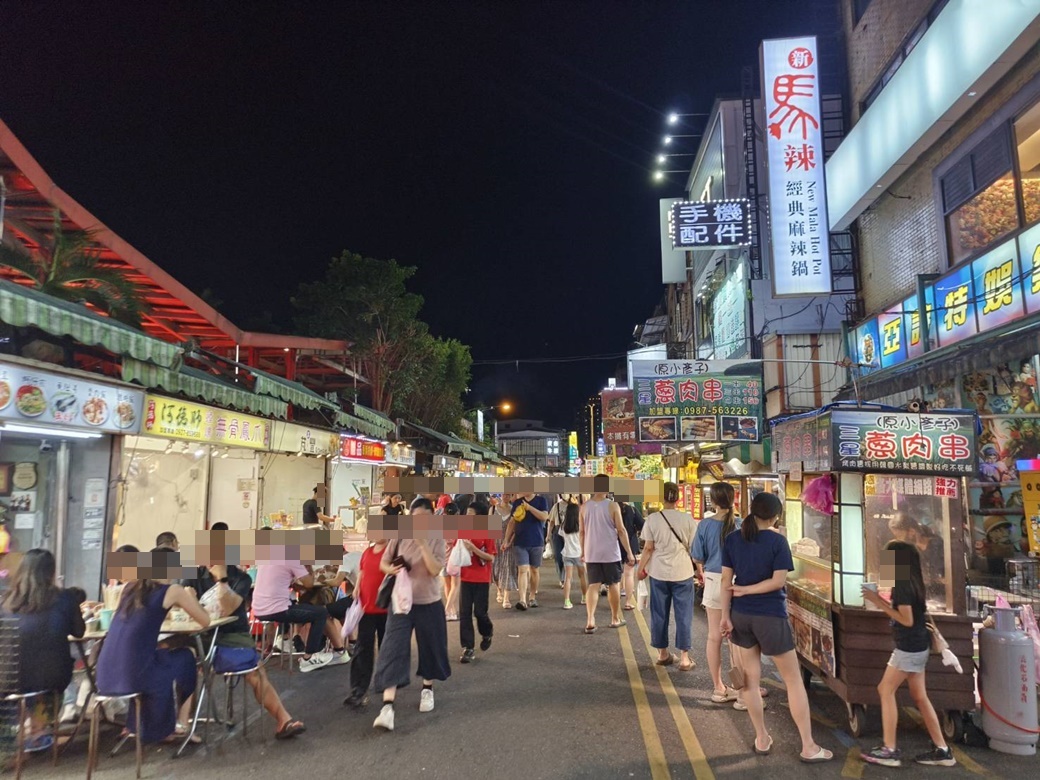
x: 678, y: 538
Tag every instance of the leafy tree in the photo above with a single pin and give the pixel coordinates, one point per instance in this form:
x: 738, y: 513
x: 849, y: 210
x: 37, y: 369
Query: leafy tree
x: 440, y: 373
x: 364, y: 301
x: 70, y: 268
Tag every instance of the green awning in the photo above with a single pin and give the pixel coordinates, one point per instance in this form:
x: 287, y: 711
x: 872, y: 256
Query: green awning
x: 199, y: 385
x: 289, y: 391
x: 24, y: 308
x: 374, y: 417
x: 360, y: 426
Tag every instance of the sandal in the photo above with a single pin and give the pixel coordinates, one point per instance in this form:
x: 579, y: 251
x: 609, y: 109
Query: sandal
x: 818, y: 757
x: 684, y: 668
x: 506, y: 605
x: 590, y: 629
x: 629, y: 608
x: 38, y: 744
x: 672, y: 659
x: 619, y: 624
x: 290, y: 729
x: 723, y: 698
x: 769, y: 747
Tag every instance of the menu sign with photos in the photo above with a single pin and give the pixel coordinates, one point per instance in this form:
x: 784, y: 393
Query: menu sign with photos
x: 29, y: 395
x: 714, y: 224
x: 794, y: 150
x: 697, y: 400
x: 926, y: 444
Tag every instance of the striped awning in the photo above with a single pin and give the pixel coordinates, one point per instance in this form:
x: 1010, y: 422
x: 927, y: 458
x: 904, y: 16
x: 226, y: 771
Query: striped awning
x: 374, y: 417
x: 289, y: 391
x: 201, y: 386
x: 358, y: 425
x: 25, y: 308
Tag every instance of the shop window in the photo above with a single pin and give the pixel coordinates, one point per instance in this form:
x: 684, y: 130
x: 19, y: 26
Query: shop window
x: 1027, y: 146
x: 979, y: 198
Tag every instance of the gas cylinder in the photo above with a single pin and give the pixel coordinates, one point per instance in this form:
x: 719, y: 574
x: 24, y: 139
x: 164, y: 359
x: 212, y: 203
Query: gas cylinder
x: 1007, y: 683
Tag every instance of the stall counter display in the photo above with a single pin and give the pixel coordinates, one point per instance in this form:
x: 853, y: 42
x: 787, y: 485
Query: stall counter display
x: 836, y: 545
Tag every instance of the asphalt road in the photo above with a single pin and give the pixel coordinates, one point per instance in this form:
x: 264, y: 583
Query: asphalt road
x: 546, y: 701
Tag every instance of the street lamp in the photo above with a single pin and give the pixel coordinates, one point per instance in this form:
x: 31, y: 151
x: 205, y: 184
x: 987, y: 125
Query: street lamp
x: 668, y: 138
x: 673, y: 118
x: 659, y: 175
x: 504, y: 406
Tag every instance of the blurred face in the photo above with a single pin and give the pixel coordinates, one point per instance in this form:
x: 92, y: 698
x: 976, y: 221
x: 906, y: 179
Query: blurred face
x: 890, y: 571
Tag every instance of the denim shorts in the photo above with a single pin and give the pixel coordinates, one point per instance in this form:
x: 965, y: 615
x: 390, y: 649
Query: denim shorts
x: 571, y: 561
x: 530, y: 556
x: 911, y: 663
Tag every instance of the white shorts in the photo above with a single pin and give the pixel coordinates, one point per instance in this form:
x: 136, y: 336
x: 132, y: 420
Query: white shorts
x: 712, y: 598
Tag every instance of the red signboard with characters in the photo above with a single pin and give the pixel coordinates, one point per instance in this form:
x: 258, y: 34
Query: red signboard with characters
x: 362, y: 449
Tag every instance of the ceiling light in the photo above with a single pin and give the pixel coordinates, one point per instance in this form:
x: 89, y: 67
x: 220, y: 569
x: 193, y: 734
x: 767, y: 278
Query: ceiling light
x: 59, y: 433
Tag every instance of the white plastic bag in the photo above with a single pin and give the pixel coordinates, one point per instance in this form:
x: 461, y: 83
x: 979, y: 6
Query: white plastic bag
x: 642, y: 594
x: 352, y: 618
x: 401, y: 599
x: 458, y: 559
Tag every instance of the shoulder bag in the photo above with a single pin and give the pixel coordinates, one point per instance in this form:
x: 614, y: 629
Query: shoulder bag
x: 386, y: 589
x: 678, y: 538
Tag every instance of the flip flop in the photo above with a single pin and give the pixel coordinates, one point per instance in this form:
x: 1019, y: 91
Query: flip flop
x: 818, y: 757
x: 629, y: 608
x: 667, y: 661
x: 590, y: 629
x: 619, y: 625
x: 290, y: 729
x: 39, y: 743
x: 768, y: 748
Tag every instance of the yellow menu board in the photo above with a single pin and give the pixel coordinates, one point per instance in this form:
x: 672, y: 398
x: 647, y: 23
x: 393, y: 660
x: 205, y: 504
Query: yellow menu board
x: 174, y: 419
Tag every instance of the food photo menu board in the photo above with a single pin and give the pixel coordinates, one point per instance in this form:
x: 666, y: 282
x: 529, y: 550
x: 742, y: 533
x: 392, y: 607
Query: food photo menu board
x: 29, y: 395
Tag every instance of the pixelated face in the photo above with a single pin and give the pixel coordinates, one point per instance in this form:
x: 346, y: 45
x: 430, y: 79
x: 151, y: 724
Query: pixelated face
x: 890, y: 571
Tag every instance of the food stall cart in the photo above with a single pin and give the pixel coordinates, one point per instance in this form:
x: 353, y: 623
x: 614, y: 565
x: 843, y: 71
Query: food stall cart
x: 747, y: 480
x: 892, y: 475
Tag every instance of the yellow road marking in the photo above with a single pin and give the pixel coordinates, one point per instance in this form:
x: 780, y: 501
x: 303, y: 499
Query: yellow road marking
x: 694, y: 752
x: 654, y: 749
x: 853, y: 764
x: 963, y: 758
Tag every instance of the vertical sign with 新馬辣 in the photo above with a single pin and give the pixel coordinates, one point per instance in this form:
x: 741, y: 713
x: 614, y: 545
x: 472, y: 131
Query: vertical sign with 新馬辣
x: 794, y: 151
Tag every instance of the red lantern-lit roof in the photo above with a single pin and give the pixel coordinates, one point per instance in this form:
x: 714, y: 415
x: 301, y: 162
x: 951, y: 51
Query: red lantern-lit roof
x: 175, y: 313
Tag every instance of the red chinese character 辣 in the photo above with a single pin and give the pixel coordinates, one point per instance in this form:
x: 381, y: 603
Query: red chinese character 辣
x: 664, y: 391
x: 803, y: 157
x: 688, y: 390
x: 880, y: 445
x: 953, y: 446
x: 786, y: 88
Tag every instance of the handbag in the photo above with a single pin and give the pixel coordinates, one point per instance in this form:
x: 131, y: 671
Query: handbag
x: 459, y: 559
x: 386, y: 589
x: 938, y: 641
x: 352, y: 618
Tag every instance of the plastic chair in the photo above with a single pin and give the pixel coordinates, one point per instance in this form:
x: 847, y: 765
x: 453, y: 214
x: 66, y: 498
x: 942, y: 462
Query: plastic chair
x: 22, y: 699
x: 237, y: 679
x: 95, y: 730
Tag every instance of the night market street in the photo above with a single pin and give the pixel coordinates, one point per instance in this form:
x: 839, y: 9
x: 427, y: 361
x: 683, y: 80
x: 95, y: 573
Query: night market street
x: 545, y: 702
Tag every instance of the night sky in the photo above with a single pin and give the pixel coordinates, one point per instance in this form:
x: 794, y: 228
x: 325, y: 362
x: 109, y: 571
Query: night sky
x: 504, y: 148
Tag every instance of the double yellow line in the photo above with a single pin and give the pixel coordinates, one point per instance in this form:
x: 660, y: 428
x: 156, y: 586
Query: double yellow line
x: 659, y: 768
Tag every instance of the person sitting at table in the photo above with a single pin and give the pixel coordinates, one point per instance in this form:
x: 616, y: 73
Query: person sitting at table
x: 229, y: 587
x: 131, y: 661
x: 45, y: 617
x: 272, y: 602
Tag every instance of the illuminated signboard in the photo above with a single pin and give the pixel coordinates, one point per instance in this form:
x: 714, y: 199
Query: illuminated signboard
x: 994, y: 290
x: 925, y: 444
x: 711, y: 224
x: 794, y: 150
x: 697, y: 400
x: 362, y: 449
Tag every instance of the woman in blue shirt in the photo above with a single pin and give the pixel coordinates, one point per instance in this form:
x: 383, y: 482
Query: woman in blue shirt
x: 755, y: 562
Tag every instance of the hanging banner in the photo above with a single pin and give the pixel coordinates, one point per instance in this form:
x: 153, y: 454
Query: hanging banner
x: 173, y: 419
x: 710, y: 224
x: 697, y: 400
x: 794, y: 152
x: 619, y: 417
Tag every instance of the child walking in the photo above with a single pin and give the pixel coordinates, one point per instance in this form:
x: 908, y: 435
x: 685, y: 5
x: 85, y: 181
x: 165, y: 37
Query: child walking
x: 901, y: 568
x: 475, y: 585
x: 572, y: 554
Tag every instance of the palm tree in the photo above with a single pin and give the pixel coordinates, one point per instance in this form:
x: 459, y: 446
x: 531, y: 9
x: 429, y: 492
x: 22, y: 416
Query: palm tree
x: 70, y: 268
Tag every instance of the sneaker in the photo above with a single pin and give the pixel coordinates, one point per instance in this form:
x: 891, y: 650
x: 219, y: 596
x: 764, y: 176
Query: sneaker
x: 385, y: 719
x: 534, y: 604
x: 485, y: 643
x: 568, y: 605
x: 937, y: 757
x: 426, y: 699
x: 356, y: 700
x: 316, y: 661
x: 340, y: 658
x: 467, y: 656
x: 884, y: 757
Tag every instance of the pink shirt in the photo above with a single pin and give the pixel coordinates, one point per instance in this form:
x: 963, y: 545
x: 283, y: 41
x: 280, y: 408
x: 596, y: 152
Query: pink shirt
x: 271, y: 592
